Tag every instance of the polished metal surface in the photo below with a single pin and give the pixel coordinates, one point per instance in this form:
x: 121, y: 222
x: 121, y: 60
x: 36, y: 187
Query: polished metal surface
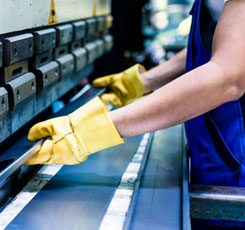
x: 4, y: 103
x: 18, y: 48
x: 47, y: 75
x: 159, y: 202
x: 4, y: 175
x: 21, y: 88
x: 44, y: 40
x: 218, y: 203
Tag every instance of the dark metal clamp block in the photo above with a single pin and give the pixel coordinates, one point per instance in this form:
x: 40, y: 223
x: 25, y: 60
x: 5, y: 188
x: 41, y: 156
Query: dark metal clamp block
x: 102, y: 27
x: 91, y: 27
x: 47, y: 75
x: 17, y: 48
x: 4, y: 104
x: 44, y: 40
x: 60, y: 51
x: 13, y: 71
x: 64, y: 34
x: 66, y: 64
x: 21, y: 88
x: 42, y: 59
x: 91, y: 51
x: 79, y: 30
x: 108, y: 42
x: 100, y: 44
x: 80, y: 58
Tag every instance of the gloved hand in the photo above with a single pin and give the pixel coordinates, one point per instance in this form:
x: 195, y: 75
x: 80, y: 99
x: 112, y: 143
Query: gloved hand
x: 74, y: 137
x: 124, y: 87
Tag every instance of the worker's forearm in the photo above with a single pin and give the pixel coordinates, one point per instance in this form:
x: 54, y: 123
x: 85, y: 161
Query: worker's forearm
x: 165, y: 72
x: 186, y: 97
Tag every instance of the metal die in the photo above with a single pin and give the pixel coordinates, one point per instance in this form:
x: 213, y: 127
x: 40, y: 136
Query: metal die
x: 44, y: 40
x: 47, y: 75
x: 13, y: 71
x: 102, y: 25
x: 100, y: 46
x: 75, y: 45
x: 4, y: 104
x: 91, y: 51
x: 60, y: 51
x: 17, y: 48
x: 91, y: 27
x: 64, y: 34
x: 108, y: 42
x: 21, y: 88
x: 66, y: 64
x: 80, y: 58
x: 42, y: 59
x: 79, y: 30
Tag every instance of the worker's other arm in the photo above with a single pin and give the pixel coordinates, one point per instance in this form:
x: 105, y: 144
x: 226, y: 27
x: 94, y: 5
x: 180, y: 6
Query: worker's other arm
x: 165, y: 72
x: 219, y: 81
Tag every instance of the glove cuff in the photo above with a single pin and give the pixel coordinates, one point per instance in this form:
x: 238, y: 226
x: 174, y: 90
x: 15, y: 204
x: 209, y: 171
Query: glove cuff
x: 135, y: 79
x: 94, y: 128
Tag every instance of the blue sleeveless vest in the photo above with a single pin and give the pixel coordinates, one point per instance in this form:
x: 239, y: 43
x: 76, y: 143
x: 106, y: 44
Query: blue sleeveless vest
x: 216, y: 140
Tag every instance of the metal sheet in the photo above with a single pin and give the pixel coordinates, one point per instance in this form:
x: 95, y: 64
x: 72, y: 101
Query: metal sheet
x: 11, y: 169
x: 158, y: 204
x: 77, y: 197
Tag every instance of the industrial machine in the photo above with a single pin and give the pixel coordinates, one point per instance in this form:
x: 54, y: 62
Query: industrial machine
x: 47, y: 52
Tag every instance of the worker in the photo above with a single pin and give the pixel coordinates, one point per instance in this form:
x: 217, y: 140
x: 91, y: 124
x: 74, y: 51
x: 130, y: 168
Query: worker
x: 203, y: 86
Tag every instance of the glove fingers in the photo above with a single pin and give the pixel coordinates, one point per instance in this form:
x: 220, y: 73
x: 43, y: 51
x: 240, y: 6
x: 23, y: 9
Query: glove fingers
x: 112, y: 98
x: 43, y: 156
x: 103, y: 81
x: 41, y: 130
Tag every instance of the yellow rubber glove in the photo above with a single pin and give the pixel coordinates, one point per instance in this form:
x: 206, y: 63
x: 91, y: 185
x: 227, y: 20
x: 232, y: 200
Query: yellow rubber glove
x: 124, y: 87
x: 74, y: 137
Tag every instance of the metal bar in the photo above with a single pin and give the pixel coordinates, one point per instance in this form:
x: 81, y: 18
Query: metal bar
x: 217, y: 203
x: 7, y: 172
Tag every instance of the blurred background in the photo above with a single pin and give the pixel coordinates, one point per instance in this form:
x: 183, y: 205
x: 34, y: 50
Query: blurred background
x: 146, y: 32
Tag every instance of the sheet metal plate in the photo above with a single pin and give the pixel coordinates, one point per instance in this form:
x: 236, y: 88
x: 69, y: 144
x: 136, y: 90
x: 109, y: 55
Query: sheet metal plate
x: 78, y: 196
x: 158, y: 203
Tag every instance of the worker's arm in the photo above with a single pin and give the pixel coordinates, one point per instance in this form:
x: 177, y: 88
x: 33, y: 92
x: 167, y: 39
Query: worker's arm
x: 134, y: 82
x: 165, y: 72
x: 219, y: 81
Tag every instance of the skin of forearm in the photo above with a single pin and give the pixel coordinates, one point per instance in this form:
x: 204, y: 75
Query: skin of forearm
x: 219, y: 81
x: 165, y: 72
x: 184, y: 98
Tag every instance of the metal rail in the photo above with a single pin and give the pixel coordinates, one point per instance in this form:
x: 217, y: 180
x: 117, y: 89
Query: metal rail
x: 217, y: 203
x: 7, y: 172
